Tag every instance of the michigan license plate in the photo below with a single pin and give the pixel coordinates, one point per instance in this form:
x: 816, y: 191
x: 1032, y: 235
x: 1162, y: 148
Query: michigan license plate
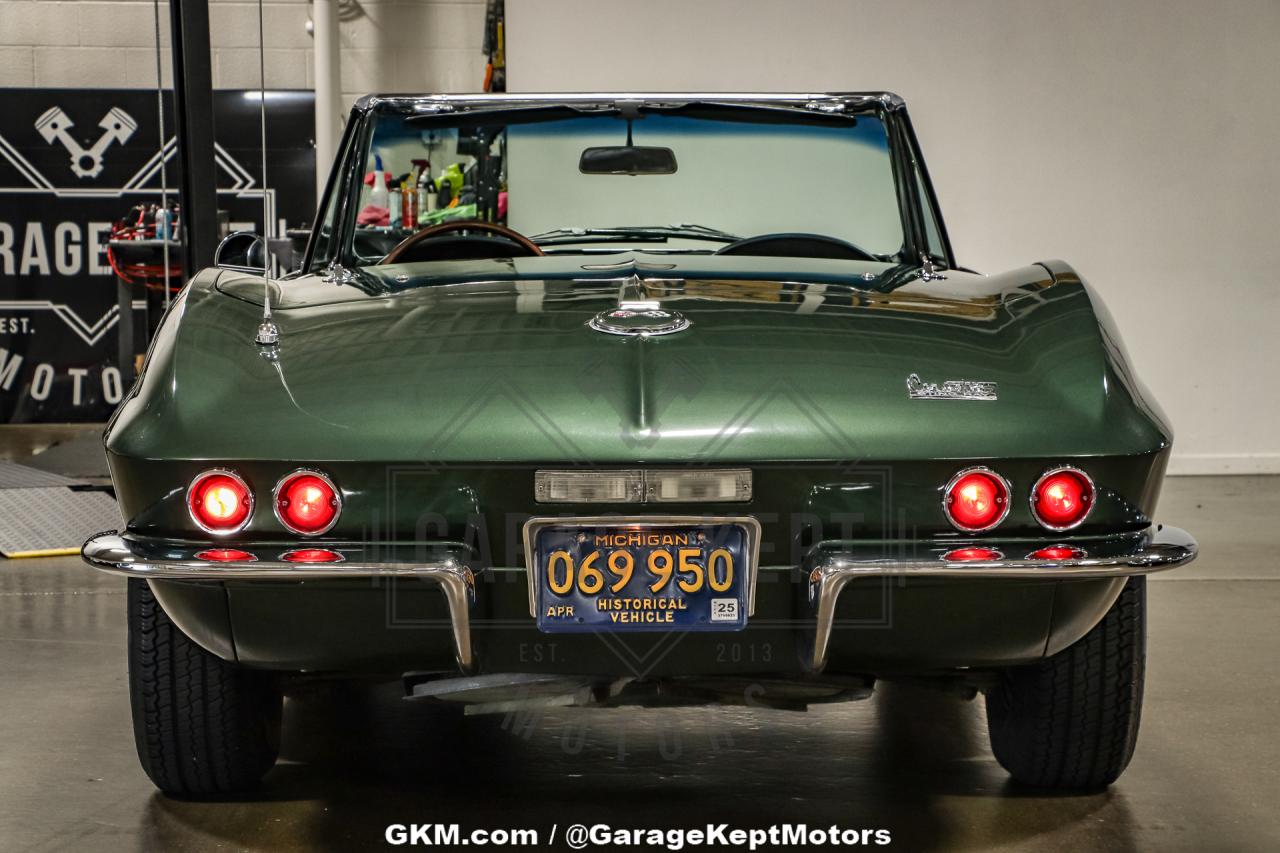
x: 682, y: 577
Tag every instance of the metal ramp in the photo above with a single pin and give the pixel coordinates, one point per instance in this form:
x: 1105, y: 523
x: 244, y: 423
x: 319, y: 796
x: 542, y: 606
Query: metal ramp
x: 43, y: 514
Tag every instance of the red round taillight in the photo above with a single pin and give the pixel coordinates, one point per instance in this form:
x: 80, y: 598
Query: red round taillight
x: 976, y: 499
x: 220, y: 502
x: 1057, y: 552
x: 226, y: 555
x: 1062, y: 498
x: 972, y: 555
x: 311, y: 555
x: 307, y: 502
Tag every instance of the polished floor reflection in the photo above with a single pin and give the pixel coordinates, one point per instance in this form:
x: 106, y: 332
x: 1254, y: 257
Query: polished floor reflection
x: 1206, y: 775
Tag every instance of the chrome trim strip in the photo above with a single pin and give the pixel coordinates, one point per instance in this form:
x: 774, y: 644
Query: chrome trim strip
x: 448, y: 103
x: 227, y: 472
x: 1165, y: 548
x: 275, y: 500
x: 533, y: 525
x: 1035, y: 489
x: 114, y: 554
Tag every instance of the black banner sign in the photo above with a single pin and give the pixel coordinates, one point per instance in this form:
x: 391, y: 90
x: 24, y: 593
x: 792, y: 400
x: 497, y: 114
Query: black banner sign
x: 74, y: 161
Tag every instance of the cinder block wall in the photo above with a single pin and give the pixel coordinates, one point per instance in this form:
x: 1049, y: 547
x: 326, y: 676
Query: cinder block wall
x: 424, y: 46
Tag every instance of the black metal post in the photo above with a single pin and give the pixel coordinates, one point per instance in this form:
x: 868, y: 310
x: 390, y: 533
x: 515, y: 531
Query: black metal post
x: 193, y: 111
x: 124, y: 329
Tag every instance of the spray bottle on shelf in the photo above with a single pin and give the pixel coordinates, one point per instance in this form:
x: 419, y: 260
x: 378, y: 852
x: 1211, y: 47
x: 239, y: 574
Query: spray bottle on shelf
x: 379, y: 196
x: 450, y: 185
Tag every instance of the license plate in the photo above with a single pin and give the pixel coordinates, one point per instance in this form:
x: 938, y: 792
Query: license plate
x: 651, y: 577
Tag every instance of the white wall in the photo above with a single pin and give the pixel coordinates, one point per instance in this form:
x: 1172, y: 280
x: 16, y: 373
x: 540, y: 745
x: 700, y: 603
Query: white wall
x: 1137, y: 139
x: 426, y: 46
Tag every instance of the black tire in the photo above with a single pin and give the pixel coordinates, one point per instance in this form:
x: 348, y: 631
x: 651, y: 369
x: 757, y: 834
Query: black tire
x: 1071, y: 720
x: 203, y: 726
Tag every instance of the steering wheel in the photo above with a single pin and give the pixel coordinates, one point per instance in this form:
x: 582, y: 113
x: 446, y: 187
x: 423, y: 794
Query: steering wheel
x: 798, y: 246
x: 408, y: 244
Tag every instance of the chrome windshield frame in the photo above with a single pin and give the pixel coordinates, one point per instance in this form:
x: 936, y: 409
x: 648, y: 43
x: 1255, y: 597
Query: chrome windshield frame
x: 348, y: 171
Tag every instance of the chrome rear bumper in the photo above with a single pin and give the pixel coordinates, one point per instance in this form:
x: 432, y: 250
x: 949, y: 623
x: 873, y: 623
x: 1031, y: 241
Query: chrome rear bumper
x: 828, y: 568
x: 443, y: 563
x: 833, y: 565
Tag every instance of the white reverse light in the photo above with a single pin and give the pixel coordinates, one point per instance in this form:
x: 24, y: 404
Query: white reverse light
x: 712, y: 485
x: 572, y: 487
x: 636, y: 486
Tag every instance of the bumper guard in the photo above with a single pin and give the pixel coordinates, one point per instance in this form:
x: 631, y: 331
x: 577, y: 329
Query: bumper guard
x: 444, y: 563
x: 832, y: 565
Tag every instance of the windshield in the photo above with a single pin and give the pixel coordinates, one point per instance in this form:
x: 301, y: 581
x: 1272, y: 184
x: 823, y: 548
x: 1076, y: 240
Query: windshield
x: 604, y: 182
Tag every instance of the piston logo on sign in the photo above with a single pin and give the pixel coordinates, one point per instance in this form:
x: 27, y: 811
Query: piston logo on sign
x: 117, y: 126
x: 72, y: 163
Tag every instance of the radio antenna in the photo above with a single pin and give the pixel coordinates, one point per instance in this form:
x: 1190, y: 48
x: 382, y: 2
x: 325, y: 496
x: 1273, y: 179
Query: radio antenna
x: 268, y: 333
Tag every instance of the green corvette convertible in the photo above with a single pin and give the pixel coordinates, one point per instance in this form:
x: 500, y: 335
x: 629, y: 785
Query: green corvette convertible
x: 635, y: 399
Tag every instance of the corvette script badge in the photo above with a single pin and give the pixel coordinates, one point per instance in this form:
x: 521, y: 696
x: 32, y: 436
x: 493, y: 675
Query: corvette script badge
x: 952, y: 389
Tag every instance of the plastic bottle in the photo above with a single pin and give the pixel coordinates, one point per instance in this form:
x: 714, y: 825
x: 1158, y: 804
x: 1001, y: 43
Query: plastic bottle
x: 409, y: 203
x: 426, y: 193
x: 452, y: 175
x: 379, y: 196
x: 162, y: 224
x: 396, y: 206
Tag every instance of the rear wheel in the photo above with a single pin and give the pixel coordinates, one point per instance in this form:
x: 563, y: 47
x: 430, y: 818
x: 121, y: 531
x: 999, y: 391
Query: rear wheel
x: 1071, y: 720
x: 202, y: 725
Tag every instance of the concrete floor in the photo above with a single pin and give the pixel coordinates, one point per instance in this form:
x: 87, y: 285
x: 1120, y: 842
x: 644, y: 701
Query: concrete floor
x: 1206, y: 776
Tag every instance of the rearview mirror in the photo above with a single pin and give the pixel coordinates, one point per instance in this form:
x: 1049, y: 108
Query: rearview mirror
x: 243, y: 251
x: 627, y: 160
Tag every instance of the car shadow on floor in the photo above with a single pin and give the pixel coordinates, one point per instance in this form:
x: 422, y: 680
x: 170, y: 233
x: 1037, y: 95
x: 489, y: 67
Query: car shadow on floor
x: 355, y: 760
